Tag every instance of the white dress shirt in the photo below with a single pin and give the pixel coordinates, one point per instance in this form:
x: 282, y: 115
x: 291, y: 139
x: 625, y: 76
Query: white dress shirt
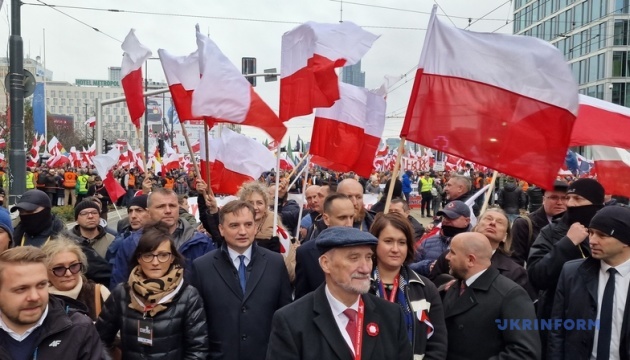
x: 341, y: 319
x: 234, y: 256
x: 622, y: 283
x: 18, y: 337
x: 472, y: 279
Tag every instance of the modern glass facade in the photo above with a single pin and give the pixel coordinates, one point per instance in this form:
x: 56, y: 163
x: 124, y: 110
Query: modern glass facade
x: 352, y: 74
x: 593, y: 35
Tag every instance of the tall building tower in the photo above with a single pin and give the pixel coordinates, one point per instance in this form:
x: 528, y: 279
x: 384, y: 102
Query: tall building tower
x: 593, y: 35
x: 115, y: 73
x: 353, y: 75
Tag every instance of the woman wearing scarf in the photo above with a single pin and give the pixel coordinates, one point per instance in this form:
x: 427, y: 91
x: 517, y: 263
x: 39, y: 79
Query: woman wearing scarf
x: 66, y: 265
x: 394, y: 281
x: 158, y: 315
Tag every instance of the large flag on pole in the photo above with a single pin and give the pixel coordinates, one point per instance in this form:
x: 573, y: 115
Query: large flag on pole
x: 347, y: 135
x: 104, y: 164
x: 310, y: 53
x: 131, y: 73
x: 601, y: 122
x: 225, y: 95
x: 505, y: 102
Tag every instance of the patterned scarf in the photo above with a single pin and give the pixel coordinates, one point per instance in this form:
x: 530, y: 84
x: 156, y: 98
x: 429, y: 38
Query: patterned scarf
x: 401, y: 296
x: 147, y: 293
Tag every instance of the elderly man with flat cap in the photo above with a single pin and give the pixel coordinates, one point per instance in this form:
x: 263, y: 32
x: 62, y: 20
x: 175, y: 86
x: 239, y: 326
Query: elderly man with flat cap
x: 340, y: 320
x: 596, y: 288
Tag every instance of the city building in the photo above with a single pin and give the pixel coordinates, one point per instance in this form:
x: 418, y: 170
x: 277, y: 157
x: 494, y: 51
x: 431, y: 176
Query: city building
x: 352, y: 74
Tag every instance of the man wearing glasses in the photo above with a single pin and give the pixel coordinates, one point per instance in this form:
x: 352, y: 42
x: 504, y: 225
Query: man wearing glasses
x: 525, y: 229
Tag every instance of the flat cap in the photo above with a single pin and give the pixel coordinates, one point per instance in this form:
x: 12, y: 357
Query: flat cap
x: 343, y: 236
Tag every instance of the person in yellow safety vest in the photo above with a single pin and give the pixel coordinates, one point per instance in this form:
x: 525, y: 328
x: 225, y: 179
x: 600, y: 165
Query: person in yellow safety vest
x: 82, y: 185
x: 425, y: 184
x: 30, y: 179
x: 69, y: 184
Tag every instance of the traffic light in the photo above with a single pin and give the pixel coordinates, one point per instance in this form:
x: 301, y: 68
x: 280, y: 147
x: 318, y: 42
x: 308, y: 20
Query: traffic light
x: 106, y: 146
x: 161, y: 147
x: 248, y: 66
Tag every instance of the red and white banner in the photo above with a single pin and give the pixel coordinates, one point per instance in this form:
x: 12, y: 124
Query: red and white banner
x: 131, y: 73
x: 601, y: 122
x: 612, y: 166
x: 104, y: 164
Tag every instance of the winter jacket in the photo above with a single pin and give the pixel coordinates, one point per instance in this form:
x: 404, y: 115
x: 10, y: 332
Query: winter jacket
x: 534, y: 198
x: 179, y: 332
x: 512, y: 198
x: 522, y: 239
x: 21, y: 238
x: 192, y: 244
x: 406, y: 184
x: 187, y: 217
x: 100, y: 243
x: 289, y: 214
x: 428, y: 251
x: 63, y: 336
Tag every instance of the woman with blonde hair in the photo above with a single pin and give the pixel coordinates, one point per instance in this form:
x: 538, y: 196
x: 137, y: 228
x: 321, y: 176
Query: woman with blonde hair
x: 67, y: 264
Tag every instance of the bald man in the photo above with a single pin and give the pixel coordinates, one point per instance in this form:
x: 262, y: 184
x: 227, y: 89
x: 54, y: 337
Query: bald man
x: 482, y: 301
x: 363, y: 219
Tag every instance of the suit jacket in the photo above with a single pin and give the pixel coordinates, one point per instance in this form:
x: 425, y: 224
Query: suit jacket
x: 307, y: 330
x: 473, y: 319
x: 308, y: 274
x: 576, y: 298
x: 239, y: 325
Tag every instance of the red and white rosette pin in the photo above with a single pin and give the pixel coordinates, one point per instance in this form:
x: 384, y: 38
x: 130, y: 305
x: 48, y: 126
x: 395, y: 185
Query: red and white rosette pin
x: 372, y: 329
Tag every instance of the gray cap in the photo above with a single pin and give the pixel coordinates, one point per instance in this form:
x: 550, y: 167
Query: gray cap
x: 343, y: 236
x: 455, y: 209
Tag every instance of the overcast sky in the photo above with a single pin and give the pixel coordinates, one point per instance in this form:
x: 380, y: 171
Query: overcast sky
x: 242, y: 28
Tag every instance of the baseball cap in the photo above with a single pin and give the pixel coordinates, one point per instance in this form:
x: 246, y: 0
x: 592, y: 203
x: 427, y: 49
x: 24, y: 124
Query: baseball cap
x: 455, y: 209
x: 31, y: 200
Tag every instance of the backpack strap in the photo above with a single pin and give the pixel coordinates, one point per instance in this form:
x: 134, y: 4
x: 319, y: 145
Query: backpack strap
x: 97, y: 299
x: 530, y: 228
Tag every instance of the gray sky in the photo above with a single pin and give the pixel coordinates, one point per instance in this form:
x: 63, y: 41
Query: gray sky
x: 243, y: 28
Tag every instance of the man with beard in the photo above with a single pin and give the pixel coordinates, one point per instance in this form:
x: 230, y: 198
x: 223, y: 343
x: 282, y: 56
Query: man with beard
x: 480, y: 301
x: 34, y: 325
x: 455, y: 220
x: 340, y: 320
x: 458, y: 187
x: 526, y: 228
x: 563, y: 240
x: 363, y: 219
x: 37, y: 223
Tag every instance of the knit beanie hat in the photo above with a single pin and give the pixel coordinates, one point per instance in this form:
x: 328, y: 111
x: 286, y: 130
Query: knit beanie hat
x: 5, y: 223
x: 589, y: 189
x: 140, y: 201
x: 613, y: 221
x: 85, y: 204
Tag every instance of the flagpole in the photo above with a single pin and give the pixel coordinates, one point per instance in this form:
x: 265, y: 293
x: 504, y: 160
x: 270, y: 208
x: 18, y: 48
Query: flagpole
x: 190, y: 151
x: 206, y: 129
x: 297, y: 229
x: 275, y: 203
x: 143, y: 160
x: 298, y: 164
x: 117, y: 213
x: 489, y: 192
x: 392, y: 181
x: 305, y: 168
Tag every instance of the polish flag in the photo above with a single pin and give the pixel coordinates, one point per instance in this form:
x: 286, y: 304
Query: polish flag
x: 131, y: 72
x: 310, y: 53
x: 33, y: 161
x: 57, y: 160
x: 42, y: 141
x: 230, y: 168
x: 226, y: 96
x: 612, y: 165
x: 346, y: 136
x: 170, y: 162
x: 104, y: 164
x: 54, y: 145
x: 195, y: 147
x: 35, y: 148
x: 383, y: 150
x: 91, y: 122
x: 286, y: 163
x: 601, y: 122
x: 502, y: 101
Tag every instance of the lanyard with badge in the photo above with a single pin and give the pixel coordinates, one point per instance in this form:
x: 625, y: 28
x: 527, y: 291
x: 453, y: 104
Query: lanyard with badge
x: 392, y: 296
x: 359, y: 334
x: 145, y: 328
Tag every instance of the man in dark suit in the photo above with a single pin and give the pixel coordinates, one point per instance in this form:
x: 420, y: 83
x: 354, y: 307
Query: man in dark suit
x: 340, y: 320
x: 596, y: 288
x: 242, y: 285
x: 481, y: 301
x: 338, y: 211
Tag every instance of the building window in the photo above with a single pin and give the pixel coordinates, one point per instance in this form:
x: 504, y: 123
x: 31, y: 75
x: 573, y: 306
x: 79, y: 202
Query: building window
x: 125, y: 134
x: 76, y: 109
x: 115, y: 111
x: 601, y: 59
x: 54, y: 101
x: 107, y: 110
x: 68, y: 94
x: 109, y: 117
x: 107, y: 95
x: 71, y: 102
x: 100, y: 95
x: 91, y: 95
x: 621, y: 6
x: 115, y: 126
x: 76, y: 94
x: 52, y: 109
x: 619, y: 65
x: 84, y: 95
x: 63, y: 101
x: 53, y: 93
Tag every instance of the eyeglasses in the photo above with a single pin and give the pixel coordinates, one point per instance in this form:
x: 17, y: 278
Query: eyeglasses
x: 88, y: 213
x: 557, y: 198
x: 162, y: 257
x: 60, y: 271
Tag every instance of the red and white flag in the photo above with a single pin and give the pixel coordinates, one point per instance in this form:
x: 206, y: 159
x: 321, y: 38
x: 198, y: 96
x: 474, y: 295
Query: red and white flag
x: 230, y: 169
x: 310, y: 53
x: 54, y: 146
x: 286, y: 163
x: 503, y: 101
x: 131, y: 72
x: 346, y: 136
x: 3, y: 143
x: 104, y: 164
x: 601, y: 122
x: 91, y: 122
x: 612, y: 166
x: 226, y: 96
x: 195, y: 146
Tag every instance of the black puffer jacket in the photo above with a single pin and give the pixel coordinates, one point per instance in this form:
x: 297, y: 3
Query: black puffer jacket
x: 512, y: 198
x: 179, y: 332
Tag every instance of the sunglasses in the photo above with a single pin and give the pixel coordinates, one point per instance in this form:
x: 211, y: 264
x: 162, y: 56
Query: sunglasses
x: 60, y: 271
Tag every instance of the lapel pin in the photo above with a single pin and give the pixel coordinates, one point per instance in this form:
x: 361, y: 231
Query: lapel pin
x: 372, y: 329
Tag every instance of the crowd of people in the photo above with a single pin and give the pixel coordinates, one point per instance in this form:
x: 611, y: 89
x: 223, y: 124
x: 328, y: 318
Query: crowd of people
x: 355, y: 283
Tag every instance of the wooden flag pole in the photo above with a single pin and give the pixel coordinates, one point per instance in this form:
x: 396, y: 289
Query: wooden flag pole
x: 392, y: 181
x: 298, y: 165
x: 275, y: 203
x: 143, y: 161
x: 192, y: 154
x: 305, y: 168
x: 297, y: 229
x: 489, y: 192
x: 206, y: 129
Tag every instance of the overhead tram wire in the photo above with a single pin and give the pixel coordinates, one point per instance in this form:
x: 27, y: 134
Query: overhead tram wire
x: 448, y: 17
x: 198, y: 16
x: 75, y: 19
x: 491, y: 11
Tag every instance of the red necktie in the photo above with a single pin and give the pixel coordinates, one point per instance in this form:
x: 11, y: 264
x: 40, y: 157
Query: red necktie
x: 462, y: 287
x: 351, y: 327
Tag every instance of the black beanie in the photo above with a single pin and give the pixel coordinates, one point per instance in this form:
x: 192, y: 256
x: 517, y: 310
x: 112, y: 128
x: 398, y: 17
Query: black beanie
x: 85, y: 204
x: 613, y: 221
x: 589, y: 189
x: 140, y: 201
